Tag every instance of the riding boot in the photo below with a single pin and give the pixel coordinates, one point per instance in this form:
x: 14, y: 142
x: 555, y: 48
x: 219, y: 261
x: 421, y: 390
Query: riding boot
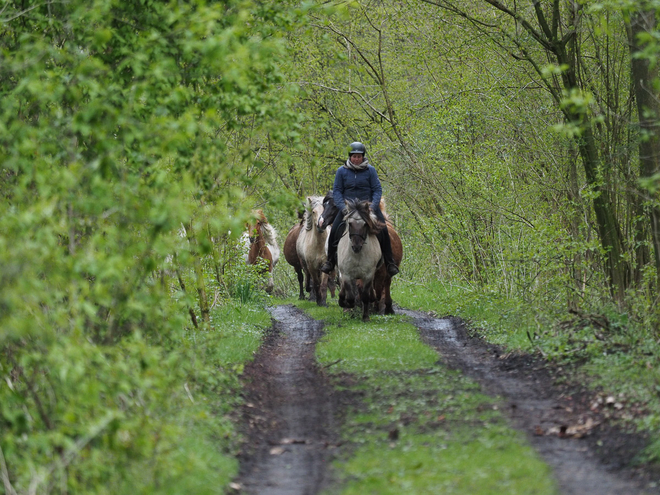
x: 333, y: 241
x: 329, y: 264
x: 386, y: 248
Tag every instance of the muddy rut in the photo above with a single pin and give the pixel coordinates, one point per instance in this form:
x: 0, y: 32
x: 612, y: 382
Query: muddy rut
x: 291, y: 413
x: 556, y: 425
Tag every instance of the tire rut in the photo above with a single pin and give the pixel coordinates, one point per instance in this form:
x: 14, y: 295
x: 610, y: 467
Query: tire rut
x: 291, y: 409
x: 533, y: 407
x: 289, y: 412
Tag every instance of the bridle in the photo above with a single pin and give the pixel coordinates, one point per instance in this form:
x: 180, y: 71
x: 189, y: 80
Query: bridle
x: 354, y: 234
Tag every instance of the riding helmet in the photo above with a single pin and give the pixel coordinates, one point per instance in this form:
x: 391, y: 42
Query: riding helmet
x: 357, y: 147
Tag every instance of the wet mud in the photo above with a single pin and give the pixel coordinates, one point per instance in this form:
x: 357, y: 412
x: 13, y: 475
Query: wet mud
x: 587, y: 454
x: 289, y: 412
x: 292, y: 414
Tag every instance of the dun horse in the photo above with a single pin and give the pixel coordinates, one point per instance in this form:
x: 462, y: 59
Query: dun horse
x: 310, y: 247
x: 382, y: 280
x: 358, y: 255
x: 263, y: 247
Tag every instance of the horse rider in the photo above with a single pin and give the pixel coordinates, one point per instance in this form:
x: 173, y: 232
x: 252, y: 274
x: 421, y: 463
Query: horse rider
x: 358, y: 179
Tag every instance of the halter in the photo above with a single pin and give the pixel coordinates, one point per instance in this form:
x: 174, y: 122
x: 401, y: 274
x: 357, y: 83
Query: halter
x: 353, y: 234
x: 363, y: 237
x: 257, y: 228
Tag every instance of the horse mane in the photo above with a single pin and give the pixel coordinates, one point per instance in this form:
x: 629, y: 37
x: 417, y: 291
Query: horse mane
x: 311, y: 203
x: 259, y: 215
x: 362, y: 208
x: 269, y: 233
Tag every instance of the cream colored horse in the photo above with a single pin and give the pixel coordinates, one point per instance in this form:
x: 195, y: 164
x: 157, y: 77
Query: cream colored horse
x: 358, y: 256
x: 311, y: 249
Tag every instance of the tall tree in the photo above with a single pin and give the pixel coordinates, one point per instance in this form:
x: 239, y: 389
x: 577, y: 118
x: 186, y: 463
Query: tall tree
x: 539, y: 33
x: 641, y: 26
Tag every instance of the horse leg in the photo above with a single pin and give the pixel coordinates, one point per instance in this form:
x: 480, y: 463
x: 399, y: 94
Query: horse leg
x: 320, y: 299
x: 310, y: 284
x: 347, y: 294
x: 271, y: 283
x: 332, y: 282
x: 366, y: 296
x: 351, y: 294
x: 386, y: 299
x: 323, y: 290
x: 342, y: 298
x: 301, y: 279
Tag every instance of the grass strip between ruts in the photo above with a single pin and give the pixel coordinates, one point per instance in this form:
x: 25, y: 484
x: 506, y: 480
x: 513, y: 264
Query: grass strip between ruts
x: 414, y: 426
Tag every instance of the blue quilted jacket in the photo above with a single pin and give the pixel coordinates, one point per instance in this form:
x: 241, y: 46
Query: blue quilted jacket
x: 360, y: 184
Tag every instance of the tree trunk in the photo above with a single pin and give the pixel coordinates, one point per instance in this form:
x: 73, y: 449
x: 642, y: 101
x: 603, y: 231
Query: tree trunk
x: 199, y: 276
x: 608, y: 225
x: 648, y: 107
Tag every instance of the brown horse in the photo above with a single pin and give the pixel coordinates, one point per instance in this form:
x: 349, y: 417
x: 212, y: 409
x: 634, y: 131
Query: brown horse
x: 382, y: 281
x: 263, y: 247
x: 291, y: 256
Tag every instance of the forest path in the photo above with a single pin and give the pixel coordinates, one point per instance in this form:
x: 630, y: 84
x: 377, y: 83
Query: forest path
x: 559, y: 424
x: 291, y: 413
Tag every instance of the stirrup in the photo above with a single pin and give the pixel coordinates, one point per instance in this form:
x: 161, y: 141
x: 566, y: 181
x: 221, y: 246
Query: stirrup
x: 327, y: 266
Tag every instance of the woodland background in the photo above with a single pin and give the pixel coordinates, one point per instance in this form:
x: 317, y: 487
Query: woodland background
x: 516, y: 142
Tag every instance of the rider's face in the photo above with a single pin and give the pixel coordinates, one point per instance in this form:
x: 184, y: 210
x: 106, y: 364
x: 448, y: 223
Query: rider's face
x: 357, y: 158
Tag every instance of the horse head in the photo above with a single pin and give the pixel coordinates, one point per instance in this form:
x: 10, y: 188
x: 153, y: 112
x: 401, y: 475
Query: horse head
x: 330, y: 211
x: 361, y: 223
x: 255, y: 229
x: 313, y: 210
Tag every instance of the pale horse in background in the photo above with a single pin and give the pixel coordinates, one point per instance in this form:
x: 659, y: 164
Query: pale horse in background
x: 260, y: 245
x: 310, y: 247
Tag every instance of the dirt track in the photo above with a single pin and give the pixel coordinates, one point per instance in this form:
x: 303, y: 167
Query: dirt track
x: 556, y: 421
x: 291, y: 413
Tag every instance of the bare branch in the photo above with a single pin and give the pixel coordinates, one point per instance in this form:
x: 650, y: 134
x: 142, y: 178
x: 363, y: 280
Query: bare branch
x: 364, y: 58
x: 351, y: 92
x: 5, y: 475
x: 23, y: 12
x: 542, y: 22
x: 524, y: 22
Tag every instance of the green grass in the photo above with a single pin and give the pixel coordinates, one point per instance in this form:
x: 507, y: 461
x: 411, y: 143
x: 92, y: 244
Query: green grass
x: 502, y: 321
x: 418, y: 427
x: 622, y: 360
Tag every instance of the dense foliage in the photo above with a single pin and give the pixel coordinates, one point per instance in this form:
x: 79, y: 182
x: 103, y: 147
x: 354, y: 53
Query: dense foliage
x: 515, y: 141
x: 123, y: 143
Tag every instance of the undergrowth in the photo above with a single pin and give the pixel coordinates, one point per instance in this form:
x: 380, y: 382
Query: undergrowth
x: 140, y: 417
